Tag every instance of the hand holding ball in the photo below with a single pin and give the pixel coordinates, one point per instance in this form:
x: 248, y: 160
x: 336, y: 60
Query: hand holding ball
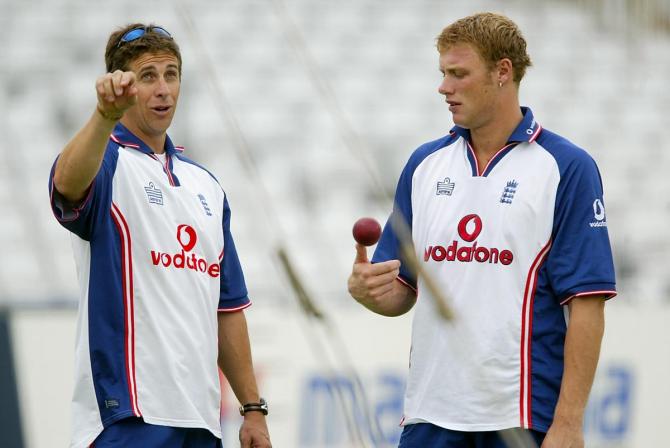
x: 367, y: 231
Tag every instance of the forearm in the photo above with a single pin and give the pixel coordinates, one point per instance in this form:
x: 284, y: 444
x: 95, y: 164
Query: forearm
x: 399, y: 300
x: 81, y: 158
x: 235, y: 356
x: 582, y: 350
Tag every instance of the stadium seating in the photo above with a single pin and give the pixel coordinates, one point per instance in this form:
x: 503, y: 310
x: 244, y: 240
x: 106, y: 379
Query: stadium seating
x: 315, y: 88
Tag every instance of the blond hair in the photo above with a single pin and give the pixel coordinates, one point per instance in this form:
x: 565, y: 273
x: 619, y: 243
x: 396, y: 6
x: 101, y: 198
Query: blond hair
x: 494, y: 36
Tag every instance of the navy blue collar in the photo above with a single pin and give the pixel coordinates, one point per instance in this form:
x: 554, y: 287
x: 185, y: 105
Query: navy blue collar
x: 526, y: 131
x: 124, y: 137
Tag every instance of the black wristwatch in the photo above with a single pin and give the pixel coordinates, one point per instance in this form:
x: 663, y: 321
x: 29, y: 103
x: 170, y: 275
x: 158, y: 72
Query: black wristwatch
x: 261, y: 406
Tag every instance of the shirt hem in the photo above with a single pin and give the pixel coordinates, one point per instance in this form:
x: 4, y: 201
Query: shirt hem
x: 182, y: 424
x: 540, y: 428
x: 116, y: 417
x: 607, y: 294
x: 89, y: 439
x: 93, y: 435
x: 466, y: 427
x: 406, y: 283
x: 230, y: 310
x: 68, y: 212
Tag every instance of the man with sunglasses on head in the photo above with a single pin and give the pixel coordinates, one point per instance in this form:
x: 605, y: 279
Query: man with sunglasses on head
x: 162, y: 289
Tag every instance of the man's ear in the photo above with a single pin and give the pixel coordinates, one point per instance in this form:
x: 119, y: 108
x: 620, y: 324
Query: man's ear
x: 505, y: 71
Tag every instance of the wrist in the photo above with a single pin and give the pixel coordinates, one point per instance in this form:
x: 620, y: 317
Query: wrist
x: 569, y: 418
x: 109, y: 116
x: 253, y: 416
x: 260, y: 407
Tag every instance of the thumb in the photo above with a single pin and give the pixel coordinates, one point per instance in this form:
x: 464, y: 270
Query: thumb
x: 132, y: 97
x: 361, y: 254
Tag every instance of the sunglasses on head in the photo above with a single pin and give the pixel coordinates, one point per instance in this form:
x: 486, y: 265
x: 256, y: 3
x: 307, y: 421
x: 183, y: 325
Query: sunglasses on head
x: 136, y: 33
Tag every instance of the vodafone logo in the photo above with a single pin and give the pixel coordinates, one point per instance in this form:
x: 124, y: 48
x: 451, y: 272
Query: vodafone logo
x: 187, y: 238
x: 469, y: 228
x: 598, y: 210
x: 598, y: 214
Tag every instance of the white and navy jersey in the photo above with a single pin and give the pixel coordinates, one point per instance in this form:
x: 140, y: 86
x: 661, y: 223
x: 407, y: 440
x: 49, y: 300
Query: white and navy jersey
x: 155, y: 261
x: 510, y: 244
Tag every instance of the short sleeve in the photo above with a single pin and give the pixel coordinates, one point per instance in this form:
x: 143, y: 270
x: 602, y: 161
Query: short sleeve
x: 580, y: 259
x: 233, y: 293
x: 82, y: 219
x: 389, y: 247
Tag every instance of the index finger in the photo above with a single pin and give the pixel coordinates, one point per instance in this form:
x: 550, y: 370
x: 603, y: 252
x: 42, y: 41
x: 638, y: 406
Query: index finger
x: 128, y: 79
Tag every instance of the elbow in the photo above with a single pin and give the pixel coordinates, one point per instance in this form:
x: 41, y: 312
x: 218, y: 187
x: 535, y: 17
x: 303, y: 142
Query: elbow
x: 63, y: 188
x: 67, y: 187
x: 58, y: 182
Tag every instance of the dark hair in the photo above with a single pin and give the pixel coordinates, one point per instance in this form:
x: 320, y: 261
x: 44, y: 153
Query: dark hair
x: 118, y: 56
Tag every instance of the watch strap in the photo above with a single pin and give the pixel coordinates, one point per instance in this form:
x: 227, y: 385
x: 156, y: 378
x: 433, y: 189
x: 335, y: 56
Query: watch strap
x: 261, y: 407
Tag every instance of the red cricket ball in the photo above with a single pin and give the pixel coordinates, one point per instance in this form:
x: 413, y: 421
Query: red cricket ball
x: 367, y: 231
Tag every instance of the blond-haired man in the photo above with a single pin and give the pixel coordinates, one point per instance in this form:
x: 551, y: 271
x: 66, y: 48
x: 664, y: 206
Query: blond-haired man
x: 508, y: 219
